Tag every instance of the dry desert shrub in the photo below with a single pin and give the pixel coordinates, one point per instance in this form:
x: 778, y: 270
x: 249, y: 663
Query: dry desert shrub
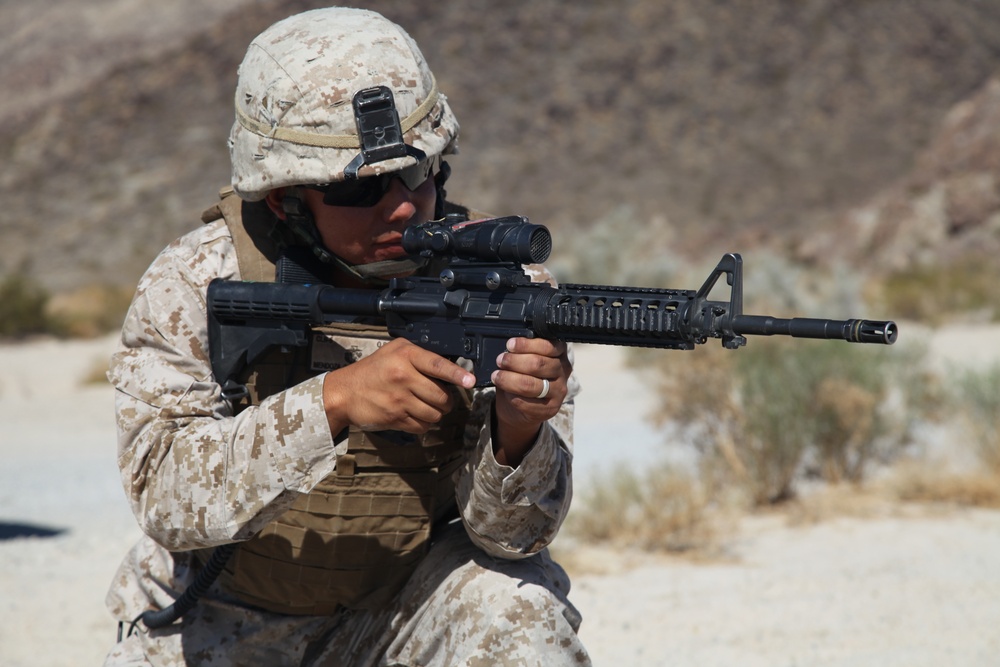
x: 846, y: 416
x: 663, y: 509
x: 88, y: 311
x: 919, y: 481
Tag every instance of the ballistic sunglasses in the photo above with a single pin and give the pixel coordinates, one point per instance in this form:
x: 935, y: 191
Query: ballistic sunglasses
x: 368, y: 191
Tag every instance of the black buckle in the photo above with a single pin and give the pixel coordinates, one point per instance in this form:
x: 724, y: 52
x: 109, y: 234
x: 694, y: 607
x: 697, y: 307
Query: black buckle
x: 380, y: 131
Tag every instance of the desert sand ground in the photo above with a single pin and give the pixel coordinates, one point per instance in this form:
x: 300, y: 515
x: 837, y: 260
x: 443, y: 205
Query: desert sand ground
x: 897, y: 587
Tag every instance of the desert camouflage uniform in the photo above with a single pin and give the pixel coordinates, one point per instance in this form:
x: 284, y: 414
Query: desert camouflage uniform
x: 197, y: 476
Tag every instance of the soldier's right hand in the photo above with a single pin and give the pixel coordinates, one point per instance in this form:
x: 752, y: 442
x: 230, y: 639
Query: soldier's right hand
x: 400, y: 386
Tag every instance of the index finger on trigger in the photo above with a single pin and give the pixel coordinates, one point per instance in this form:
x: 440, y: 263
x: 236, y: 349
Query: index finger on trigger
x: 435, y: 366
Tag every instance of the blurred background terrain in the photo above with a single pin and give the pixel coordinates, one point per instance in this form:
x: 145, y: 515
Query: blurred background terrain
x: 829, y: 131
x: 850, y: 149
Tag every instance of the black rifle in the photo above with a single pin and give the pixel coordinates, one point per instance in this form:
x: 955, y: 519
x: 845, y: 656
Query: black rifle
x: 482, y: 297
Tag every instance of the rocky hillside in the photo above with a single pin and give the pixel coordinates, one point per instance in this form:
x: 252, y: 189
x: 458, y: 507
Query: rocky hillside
x: 752, y: 122
x: 944, y: 211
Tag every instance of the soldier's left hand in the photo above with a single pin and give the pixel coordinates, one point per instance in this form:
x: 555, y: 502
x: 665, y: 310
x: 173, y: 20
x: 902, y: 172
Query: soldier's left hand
x: 532, y: 383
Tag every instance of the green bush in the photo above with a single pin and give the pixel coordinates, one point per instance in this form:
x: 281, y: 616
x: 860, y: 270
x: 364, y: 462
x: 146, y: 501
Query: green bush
x: 975, y: 397
x: 939, y: 293
x: 27, y: 309
x: 22, y: 308
x: 765, y: 414
x: 821, y: 397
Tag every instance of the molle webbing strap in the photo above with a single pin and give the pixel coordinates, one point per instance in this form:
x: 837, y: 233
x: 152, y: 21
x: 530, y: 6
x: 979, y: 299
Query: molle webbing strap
x: 353, y: 541
x: 332, y: 140
x: 397, y: 450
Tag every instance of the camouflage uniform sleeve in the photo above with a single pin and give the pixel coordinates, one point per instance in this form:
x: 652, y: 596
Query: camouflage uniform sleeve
x: 196, y: 475
x: 514, y: 513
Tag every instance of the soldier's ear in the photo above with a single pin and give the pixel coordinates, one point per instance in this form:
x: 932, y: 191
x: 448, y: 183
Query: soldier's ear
x: 275, y: 199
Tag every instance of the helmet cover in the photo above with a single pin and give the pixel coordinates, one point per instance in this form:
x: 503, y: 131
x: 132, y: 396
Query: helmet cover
x: 295, y: 123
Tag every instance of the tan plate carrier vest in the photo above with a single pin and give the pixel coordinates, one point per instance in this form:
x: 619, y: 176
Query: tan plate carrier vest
x: 355, y: 539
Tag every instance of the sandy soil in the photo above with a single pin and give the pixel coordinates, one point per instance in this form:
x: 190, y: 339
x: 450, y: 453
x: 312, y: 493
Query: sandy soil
x: 899, y: 588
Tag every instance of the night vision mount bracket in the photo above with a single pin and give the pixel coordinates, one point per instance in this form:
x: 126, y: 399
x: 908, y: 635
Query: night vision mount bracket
x: 379, y: 129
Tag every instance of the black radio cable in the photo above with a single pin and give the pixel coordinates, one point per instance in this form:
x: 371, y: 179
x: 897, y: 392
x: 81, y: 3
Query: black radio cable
x: 159, y: 618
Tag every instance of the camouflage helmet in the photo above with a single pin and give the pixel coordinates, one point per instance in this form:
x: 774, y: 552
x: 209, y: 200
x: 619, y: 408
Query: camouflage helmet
x: 295, y: 121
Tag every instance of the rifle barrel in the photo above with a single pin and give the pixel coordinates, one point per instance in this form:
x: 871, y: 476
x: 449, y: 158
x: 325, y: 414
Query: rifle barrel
x: 853, y: 330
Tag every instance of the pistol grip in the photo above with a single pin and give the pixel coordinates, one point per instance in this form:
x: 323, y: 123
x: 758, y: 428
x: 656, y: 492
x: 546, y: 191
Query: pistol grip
x: 486, y: 362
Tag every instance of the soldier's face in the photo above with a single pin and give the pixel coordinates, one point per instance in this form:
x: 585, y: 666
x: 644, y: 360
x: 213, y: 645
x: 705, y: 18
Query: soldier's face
x: 361, y: 235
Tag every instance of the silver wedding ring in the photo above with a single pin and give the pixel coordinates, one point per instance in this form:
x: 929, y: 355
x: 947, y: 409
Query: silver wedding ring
x: 545, y: 389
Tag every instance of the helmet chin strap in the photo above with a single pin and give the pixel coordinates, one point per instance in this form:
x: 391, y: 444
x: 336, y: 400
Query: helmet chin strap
x: 300, y: 221
x: 386, y: 269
